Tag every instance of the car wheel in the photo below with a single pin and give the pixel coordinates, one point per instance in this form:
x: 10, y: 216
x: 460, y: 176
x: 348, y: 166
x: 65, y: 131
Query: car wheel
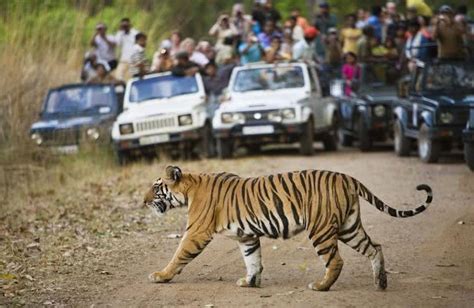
x: 330, y: 138
x: 401, y: 144
x: 365, y: 143
x: 121, y: 157
x: 344, y: 138
x: 224, y: 148
x: 428, y: 149
x: 469, y: 155
x: 207, y: 144
x: 307, y: 138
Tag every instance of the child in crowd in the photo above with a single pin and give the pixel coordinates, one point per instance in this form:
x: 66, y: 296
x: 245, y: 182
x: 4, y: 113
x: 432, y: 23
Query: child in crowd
x: 350, y: 73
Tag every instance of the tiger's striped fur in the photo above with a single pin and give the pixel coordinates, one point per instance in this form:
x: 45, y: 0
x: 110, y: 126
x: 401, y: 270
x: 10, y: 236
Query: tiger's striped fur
x: 325, y: 204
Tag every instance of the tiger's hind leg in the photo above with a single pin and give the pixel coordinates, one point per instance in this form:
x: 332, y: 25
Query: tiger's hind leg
x: 353, y: 234
x: 250, y: 249
x: 329, y: 253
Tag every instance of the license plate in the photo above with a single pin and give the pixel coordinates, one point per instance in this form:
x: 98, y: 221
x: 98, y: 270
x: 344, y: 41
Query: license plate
x: 258, y: 130
x: 154, y: 139
x: 66, y: 149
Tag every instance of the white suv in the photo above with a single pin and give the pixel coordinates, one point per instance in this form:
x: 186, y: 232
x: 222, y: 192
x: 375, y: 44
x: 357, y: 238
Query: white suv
x: 275, y: 103
x: 163, y: 110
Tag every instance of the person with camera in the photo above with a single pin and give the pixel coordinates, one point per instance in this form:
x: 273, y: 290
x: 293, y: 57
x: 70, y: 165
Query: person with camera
x: 162, y: 59
x: 222, y: 29
x: 104, y: 45
x: 449, y: 34
x: 250, y: 50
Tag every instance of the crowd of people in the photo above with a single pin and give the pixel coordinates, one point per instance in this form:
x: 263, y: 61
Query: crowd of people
x: 381, y: 35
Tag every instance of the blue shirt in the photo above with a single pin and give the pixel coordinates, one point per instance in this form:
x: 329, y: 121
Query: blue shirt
x: 253, y: 54
x: 266, y: 40
x: 374, y: 21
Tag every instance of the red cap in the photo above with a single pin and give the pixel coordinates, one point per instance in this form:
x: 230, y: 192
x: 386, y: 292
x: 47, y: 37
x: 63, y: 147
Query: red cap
x: 311, y: 32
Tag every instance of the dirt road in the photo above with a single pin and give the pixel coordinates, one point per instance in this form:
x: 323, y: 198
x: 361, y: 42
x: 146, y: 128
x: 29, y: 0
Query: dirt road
x: 429, y: 257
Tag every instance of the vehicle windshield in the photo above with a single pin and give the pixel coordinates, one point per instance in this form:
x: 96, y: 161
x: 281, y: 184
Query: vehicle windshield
x: 162, y: 87
x: 269, y: 78
x: 378, y: 75
x: 441, y: 77
x: 93, y: 99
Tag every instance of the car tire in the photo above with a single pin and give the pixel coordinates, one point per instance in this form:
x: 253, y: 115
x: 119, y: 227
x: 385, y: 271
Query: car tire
x: 330, y: 138
x: 428, y: 149
x: 224, y: 148
x: 401, y: 144
x: 307, y: 138
x: 365, y: 143
x: 207, y: 145
x: 469, y: 154
x: 122, y: 157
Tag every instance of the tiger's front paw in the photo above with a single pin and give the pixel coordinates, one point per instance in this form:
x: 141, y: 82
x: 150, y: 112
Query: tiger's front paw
x: 318, y: 287
x: 252, y: 282
x: 159, y: 277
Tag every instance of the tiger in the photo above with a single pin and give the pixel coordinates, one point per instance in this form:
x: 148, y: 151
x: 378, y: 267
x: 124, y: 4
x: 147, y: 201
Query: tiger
x: 324, y: 204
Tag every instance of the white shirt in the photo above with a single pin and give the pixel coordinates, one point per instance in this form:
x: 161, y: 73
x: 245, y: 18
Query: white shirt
x: 303, y: 51
x: 103, y: 50
x: 199, y: 58
x: 125, y: 42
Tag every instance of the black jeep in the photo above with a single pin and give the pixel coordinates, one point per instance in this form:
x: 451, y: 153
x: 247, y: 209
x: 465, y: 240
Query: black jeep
x: 366, y: 114
x: 75, y: 114
x: 433, y: 109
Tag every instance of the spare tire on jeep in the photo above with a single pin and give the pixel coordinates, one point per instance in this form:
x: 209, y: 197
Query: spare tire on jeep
x: 307, y: 138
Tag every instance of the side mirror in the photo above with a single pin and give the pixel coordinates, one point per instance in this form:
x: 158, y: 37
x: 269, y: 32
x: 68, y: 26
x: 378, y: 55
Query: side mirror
x: 336, y: 88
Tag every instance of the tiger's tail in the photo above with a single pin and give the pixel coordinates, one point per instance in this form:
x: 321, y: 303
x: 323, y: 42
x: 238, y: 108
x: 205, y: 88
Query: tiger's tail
x: 381, y: 206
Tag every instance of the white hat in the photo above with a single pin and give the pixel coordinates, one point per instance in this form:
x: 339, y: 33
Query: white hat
x: 166, y: 44
x: 104, y: 64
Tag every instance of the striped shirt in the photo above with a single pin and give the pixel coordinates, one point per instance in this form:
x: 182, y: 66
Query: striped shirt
x: 138, y: 59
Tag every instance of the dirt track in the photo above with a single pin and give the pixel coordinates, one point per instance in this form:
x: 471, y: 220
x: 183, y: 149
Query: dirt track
x: 429, y: 257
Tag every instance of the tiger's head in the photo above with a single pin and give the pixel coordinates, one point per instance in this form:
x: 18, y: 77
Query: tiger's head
x: 161, y: 196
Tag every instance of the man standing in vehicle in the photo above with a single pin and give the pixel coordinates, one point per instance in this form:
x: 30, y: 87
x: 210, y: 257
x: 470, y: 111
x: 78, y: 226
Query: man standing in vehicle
x: 449, y: 34
x: 138, y: 61
x: 104, y: 45
x: 125, y: 39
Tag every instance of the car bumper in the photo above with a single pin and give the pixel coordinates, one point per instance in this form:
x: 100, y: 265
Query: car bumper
x: 264, y: 132
x: 446, y: 133
x: 155, y: 140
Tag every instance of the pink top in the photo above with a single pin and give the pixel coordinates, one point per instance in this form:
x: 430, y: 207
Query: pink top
x: 349, y: 73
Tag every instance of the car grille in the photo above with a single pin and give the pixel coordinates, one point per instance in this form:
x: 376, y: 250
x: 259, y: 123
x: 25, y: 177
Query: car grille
x: 250, y: 115
x: 155, y: 124
x: 67, y: 136
x: 460, y: 115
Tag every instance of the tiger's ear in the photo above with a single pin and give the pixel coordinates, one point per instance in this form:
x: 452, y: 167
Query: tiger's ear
x: 173, y: 175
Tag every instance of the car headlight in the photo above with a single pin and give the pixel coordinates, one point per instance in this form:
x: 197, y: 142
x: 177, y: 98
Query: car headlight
x: 92, y: 133
x: 229, y: 118
x: 126, y: 129
x: 379, y: 111
x: 275, y: 116
x: 186, y: 119
x: 288, y: 113
x: 36, y: 137
x: 446, y: 117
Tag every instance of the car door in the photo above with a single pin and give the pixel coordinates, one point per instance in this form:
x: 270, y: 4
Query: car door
x: 319, y: 102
